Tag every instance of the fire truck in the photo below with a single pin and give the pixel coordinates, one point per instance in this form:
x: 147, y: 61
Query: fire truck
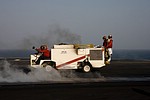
x: 84, y: 57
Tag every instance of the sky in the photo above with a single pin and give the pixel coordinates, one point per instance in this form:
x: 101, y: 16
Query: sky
x: 23, y: 21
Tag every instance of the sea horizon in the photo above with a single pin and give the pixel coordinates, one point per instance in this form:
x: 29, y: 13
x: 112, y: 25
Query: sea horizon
x: 118, y: 54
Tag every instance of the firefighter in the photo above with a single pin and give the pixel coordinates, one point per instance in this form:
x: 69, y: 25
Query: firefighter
x: 105, y: 43
x: 109, y: 46
x: 45, y: 53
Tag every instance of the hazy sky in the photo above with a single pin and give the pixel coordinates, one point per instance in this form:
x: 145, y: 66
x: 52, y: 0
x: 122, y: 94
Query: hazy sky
x: 127, y: 20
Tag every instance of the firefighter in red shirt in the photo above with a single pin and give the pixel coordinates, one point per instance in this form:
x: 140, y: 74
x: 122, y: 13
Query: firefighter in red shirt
x: 105, y: 43
x: 109, y: 46
x: 45, y: 53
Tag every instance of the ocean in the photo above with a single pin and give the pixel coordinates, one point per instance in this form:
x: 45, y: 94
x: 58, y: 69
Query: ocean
x: 117, y: 54
x: 131, y: 54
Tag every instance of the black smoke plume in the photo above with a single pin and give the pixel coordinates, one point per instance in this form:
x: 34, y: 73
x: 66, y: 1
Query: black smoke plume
x: 55, y: 35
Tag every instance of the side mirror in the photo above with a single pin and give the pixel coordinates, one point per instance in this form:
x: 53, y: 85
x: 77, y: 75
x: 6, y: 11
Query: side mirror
x: 33, y: 47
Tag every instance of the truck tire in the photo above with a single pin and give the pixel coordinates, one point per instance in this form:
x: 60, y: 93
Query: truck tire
x: 86, y: 68
x: 48, y: 68
x: 49, y: 65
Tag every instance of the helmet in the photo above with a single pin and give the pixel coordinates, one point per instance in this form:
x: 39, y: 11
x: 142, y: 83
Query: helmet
x: 42, y: 47
x: 104, y: 37
x: 109, y: 36
x: 45, y: 47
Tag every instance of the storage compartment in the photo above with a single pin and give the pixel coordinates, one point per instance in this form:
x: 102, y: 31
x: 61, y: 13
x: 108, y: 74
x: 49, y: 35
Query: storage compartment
x: 96, y: 55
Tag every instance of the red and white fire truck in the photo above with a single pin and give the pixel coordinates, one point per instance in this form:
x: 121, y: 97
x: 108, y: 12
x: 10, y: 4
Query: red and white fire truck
x: 84, y: 57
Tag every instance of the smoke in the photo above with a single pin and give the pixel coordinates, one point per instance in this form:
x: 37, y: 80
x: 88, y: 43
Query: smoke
x: 9, y: 73
x: 55, y: 35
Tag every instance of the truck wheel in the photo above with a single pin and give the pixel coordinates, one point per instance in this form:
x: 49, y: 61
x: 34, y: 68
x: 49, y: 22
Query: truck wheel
x: 48, y: 68
x: 86, y: 68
